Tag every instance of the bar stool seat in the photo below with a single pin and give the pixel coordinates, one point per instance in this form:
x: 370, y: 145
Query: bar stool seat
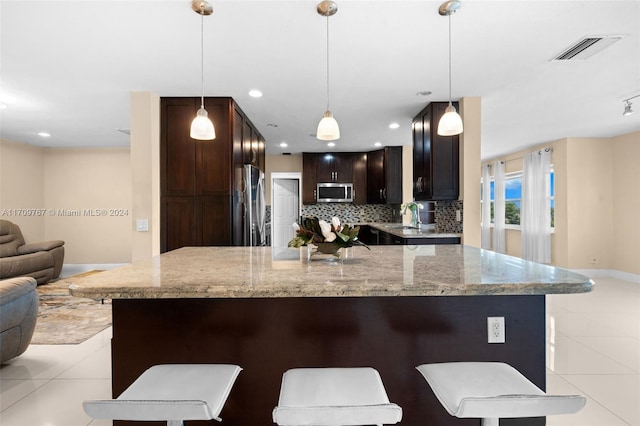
x: 334, y: 396
x: 492, y: 390
x: 171, y: 393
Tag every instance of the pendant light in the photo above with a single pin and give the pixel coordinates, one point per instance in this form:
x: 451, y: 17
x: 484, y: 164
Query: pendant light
x: 201, y: 126
x: 450, y: 123
x: 328, y: 129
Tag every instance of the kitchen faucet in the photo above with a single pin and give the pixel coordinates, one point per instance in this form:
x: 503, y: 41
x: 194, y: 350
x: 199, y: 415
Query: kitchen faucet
x: 414, y: 208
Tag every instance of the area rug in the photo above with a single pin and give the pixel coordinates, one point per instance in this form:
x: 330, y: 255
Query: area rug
x: 67, y: 320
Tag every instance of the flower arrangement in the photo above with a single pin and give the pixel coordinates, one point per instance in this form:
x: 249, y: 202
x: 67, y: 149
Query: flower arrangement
x: 414, y: 208
x: 320, y: 232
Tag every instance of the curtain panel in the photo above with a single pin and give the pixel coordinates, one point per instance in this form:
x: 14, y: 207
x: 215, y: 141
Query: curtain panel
x: 535, y: 218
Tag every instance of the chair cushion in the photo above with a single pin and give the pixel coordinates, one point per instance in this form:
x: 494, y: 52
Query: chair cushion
x: 493, y: 389
x: 171, y: 392
x: 334, y: 396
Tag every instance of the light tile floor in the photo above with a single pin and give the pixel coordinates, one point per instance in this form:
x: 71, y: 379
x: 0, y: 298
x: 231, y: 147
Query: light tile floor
x: 593, y: 349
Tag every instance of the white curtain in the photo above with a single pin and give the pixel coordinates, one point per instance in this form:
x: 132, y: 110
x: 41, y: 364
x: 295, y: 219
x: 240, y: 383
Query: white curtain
x: 498, y: 208
x: 485, y: 236
x: 535, y: 211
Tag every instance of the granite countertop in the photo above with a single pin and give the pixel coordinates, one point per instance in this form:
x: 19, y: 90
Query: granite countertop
x: 234, y: 272
x: 405, y: 231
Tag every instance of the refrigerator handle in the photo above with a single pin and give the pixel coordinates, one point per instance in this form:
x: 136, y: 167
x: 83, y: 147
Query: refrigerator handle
x: 262, y: 210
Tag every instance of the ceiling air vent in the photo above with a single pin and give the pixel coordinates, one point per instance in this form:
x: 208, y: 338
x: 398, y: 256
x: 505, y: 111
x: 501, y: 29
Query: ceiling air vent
x: 586, y: 47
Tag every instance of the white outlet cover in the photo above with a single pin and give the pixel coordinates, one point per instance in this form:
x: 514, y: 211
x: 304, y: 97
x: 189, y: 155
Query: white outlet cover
x: 495, y: 330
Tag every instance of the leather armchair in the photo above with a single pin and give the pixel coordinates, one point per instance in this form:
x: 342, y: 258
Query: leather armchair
x: 18, y: 315
x: 42, y: 261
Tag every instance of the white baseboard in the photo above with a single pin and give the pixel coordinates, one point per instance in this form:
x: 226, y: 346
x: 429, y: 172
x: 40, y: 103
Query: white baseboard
x: 603, y: 273
x: 69, y: 269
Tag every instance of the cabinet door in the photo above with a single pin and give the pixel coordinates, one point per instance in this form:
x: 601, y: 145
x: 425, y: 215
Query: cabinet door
x: 214, y: 219
x: 418, y: 158
x: 325, y: 170
x: 343, y: 167
x: 309, y: 165
x: 178, y: 217
x: 392, y: 191
x: 375, y: 177
x: 177, y: 149
x: 359, y: 163
x: 213, y: 158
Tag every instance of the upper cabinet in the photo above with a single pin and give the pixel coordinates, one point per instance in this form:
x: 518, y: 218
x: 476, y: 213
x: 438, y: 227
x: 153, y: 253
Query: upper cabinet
x: 334, y: 167
x: 436, y: 159
x: 384, y: 176
x: 201, y: 181
x: 376, y: 176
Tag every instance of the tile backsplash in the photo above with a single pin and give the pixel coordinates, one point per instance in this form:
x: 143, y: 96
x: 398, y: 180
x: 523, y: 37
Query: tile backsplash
x: 445, y: 213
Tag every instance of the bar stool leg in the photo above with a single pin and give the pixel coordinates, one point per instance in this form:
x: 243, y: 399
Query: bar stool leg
x: 490, y: 421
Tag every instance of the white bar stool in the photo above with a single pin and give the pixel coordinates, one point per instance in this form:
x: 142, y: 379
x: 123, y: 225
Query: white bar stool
x: 171, y: 393
x: 493, y: 390
x: 334, y: 396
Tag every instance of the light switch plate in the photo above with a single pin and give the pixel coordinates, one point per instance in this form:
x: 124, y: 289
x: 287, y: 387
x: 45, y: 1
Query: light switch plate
x: 142, y: 225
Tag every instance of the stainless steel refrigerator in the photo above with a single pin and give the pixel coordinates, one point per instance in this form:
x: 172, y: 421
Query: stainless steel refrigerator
x: 254, y: 206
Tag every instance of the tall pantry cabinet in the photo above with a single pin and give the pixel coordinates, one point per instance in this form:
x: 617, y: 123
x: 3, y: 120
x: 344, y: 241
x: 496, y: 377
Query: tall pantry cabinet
x: 201, y: 198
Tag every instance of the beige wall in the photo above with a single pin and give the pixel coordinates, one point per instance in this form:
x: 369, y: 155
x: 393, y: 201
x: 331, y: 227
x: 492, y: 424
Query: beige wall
x: 21, y: 187
x: 596, y: 193
x: 625, y: 252
x: 470, y: 170
x: 89, y: 181
x: 280, y: 163
x: 145, y: 173
x: 79, y: 182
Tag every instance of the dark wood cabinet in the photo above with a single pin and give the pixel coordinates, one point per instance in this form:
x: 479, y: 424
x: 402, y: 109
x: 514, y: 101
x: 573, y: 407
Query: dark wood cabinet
x: 334, y: 167
x: 376, y: 176
x: 342, y: 167
x: 359, y: 164
x: 201, y: 181
x: 436, y: 159
x: 384, y: 176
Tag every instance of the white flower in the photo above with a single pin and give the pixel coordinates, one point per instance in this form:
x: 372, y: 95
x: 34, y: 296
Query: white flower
x: 336, y: 224
x: 296, y: 227
x: 326, y: 231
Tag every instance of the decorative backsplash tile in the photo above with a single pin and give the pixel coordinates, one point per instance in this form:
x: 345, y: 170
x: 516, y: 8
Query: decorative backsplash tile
x: 445, y: 214
x: 446, y: 217
x: 353, y: 213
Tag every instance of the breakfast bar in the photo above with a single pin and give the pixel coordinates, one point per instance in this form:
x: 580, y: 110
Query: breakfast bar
x: 268, y: 310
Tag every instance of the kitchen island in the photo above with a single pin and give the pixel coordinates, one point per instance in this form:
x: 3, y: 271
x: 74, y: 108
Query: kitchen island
x: 391, y: 308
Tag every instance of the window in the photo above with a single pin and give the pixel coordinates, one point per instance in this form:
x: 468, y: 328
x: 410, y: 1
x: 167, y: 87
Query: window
x: 513, y: 198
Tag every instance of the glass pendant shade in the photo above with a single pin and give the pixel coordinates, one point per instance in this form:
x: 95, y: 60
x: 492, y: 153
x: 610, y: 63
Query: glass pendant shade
x: 202, y: 127
x: 328, y: 129
x: 450, y: 123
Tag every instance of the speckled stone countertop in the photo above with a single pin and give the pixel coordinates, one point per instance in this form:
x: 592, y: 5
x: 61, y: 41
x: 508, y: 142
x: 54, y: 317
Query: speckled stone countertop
x: 234, y: 272
x: 404, y: 231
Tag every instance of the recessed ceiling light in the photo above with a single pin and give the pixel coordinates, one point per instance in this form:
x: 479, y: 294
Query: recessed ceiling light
x: 377, y: 144
x: 423, y: 93
x: 331, y: 144
x: 44, y: 134
x: 394, y: 125
x: 283, y: 144
x: 255, y: 93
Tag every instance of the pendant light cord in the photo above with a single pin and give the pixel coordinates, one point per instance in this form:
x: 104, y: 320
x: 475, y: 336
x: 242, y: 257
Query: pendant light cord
x: 202, y: 54
x: 327, y: 63
x: 450, y: 58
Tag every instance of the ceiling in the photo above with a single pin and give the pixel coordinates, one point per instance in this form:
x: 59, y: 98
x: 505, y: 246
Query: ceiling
x: 67, y: 67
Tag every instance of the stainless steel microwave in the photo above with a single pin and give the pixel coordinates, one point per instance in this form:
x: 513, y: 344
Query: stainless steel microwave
x: 330, y: 192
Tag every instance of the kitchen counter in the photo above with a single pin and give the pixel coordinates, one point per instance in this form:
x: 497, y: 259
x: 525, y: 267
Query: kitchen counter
x: 405, y: 231
x: 391, y: 308
x: 207, y: 272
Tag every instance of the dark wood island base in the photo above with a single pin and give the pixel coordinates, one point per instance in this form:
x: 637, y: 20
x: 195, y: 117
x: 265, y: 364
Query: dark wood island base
x: 267, y: 336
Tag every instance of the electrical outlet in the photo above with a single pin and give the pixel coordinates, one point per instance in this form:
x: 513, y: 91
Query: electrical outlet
x: 495, y: 329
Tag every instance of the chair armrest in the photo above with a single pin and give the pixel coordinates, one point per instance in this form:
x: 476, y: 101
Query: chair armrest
x: 36, y: 247
x: 13, y: 288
